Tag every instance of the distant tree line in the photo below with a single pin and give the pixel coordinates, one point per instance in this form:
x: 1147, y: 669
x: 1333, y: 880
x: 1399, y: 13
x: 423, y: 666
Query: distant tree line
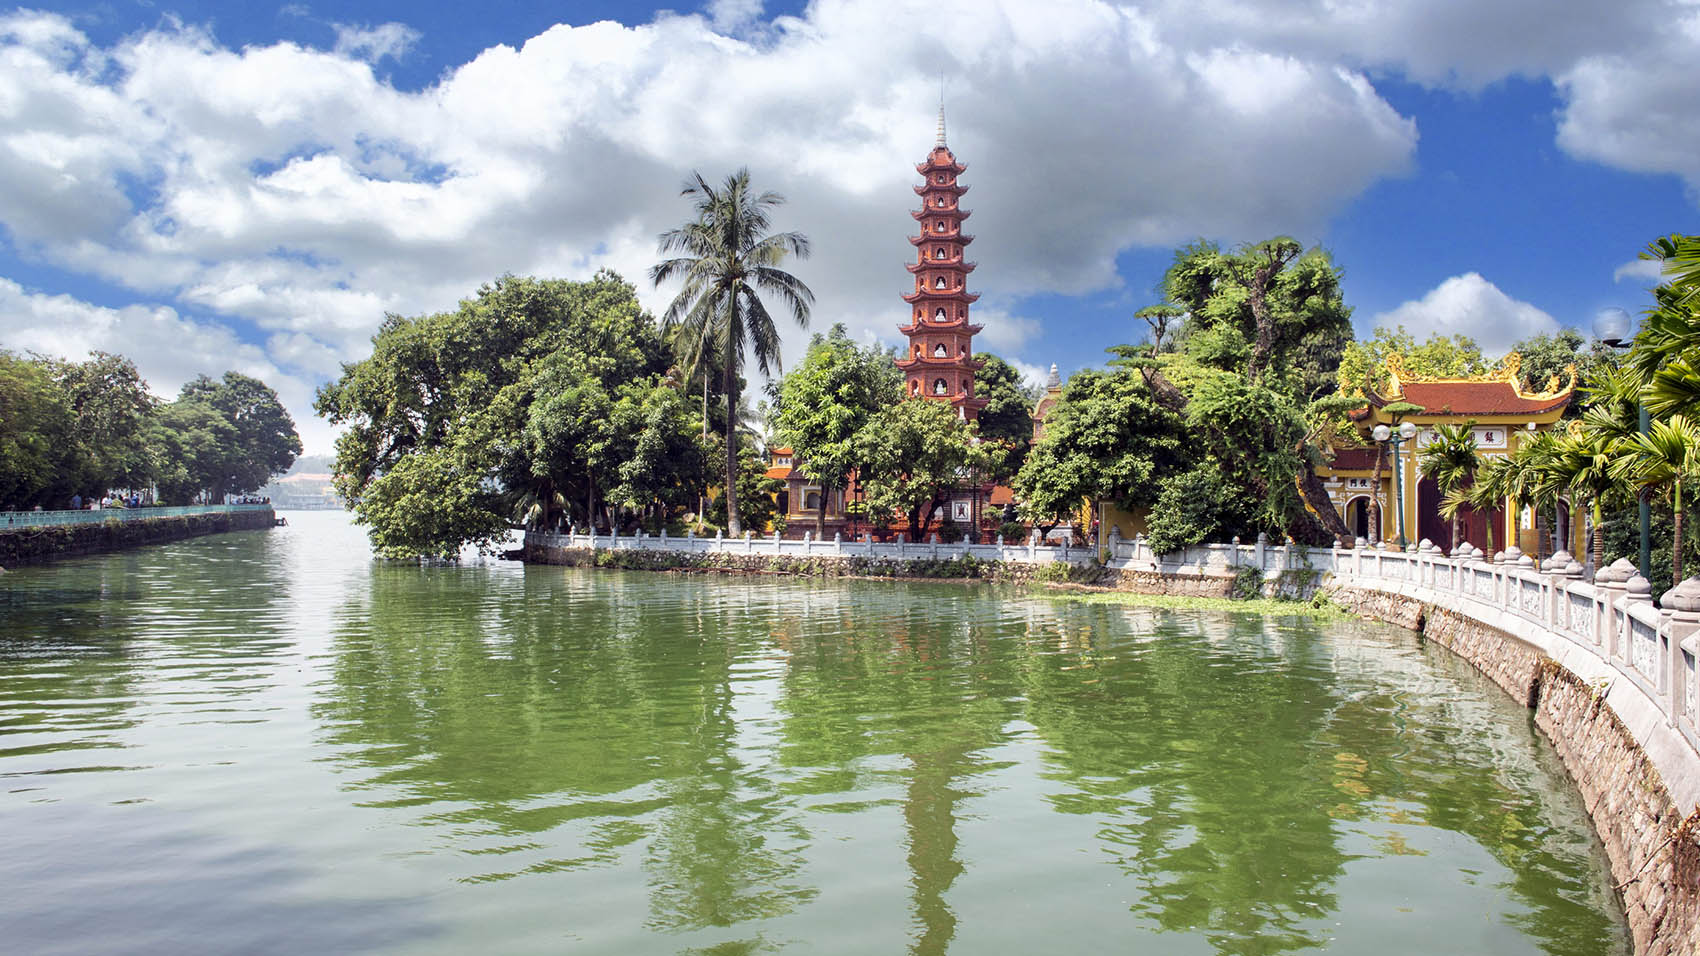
x: 86, y: 428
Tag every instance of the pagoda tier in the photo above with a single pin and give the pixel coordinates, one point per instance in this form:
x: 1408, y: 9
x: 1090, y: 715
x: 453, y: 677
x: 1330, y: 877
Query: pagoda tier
x: 955, y: 189
x: 937, y: 263
x: 936, y: 164
x: 940, y: 362
x: 914, y: 328
x: 956, y: 238
x: 928, y: 361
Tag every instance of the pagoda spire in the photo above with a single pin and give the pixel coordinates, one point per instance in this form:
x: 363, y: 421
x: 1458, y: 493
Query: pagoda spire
x: 940, y: 363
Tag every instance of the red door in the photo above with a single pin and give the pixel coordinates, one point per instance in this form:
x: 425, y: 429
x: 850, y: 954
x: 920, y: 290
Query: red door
x: 1473, y: 523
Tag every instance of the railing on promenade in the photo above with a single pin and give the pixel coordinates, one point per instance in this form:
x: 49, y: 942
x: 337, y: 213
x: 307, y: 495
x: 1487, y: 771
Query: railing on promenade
x: 1607, y: 631
x: 834, y: 547
x: 42, y: 519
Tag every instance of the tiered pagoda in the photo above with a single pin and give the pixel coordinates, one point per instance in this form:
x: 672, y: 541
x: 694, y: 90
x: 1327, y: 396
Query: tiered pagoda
x: 940, y: 363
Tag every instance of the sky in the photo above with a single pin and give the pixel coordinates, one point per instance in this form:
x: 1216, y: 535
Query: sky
x: 209, y: 186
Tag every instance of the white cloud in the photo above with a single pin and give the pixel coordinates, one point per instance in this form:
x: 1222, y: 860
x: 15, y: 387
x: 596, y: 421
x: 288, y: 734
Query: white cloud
x: 730, y: 16
x: 374, y: 43
x: 1649, y: 272
x: 1639, y: 108
x: 298, y: 193
x: 1472, y: 306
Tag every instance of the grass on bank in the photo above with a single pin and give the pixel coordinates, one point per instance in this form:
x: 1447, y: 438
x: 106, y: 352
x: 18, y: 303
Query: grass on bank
x: 1318, y: 608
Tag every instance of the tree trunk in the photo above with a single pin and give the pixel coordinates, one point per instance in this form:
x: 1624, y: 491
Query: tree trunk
x: 733, y: 525
x: 820, y: 512
x: 1375, y: 498
x: 1315, y: 495
x: 1676, y: 535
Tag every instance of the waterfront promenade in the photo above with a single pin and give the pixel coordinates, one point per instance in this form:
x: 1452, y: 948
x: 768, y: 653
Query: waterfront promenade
x: 48, y: 519
x: 28, y: 537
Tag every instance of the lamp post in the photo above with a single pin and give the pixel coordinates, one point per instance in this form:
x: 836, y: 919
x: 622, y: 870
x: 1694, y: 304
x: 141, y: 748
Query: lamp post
x: 1397, y: 436
x: 1615, y: 328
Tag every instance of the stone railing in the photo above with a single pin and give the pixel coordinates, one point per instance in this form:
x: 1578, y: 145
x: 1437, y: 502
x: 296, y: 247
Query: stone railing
x: 1640, y: 657
x: 1030, y: 552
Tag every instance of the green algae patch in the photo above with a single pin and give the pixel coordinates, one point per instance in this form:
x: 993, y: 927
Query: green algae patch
x: 1319, y: 608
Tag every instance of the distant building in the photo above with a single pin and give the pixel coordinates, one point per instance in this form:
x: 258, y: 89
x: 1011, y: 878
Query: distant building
x: 1502, y: 409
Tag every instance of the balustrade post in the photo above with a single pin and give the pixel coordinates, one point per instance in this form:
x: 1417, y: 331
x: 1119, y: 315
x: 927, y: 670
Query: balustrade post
x: 1637, y: 591
x: 1683, y: 603
x: 1610, y: 584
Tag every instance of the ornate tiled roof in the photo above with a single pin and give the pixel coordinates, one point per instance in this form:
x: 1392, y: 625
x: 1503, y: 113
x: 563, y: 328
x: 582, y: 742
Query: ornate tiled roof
x: 1499, y: 392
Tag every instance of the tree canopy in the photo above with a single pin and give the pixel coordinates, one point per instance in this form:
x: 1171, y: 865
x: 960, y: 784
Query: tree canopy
x: 551, y: 391
x: 825, y: 403
x: 85, y: 428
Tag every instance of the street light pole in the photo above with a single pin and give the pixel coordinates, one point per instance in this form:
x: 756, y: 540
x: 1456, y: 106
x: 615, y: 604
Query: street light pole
x: 1396, y: 437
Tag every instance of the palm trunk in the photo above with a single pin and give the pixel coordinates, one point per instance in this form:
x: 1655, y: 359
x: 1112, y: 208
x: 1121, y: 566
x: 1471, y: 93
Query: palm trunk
x: 1599, y: 543
x: 702, y: 499
x: 1676, y: 534
x: 733, y: 525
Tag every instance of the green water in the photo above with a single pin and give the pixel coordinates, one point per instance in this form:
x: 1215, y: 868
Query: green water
x: 263, y: 742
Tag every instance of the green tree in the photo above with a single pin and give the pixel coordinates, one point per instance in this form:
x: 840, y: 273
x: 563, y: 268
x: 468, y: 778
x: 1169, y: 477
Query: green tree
x: 728, y: 259
x: 192, y: 444
x: 110, y: 408
x: 758, y: 494
x: 826, y: 402
x: 1363, y: 364
x: 1661, y: 460
x: 1270, y: 310
x: 1107, y: 438
x: 1252, y: 436
x: 464, y: 388
x: 37, y: 447
x: 264, y: 443
x: 916, y: 452
x: 1006, y: 423
x: 667, y: 461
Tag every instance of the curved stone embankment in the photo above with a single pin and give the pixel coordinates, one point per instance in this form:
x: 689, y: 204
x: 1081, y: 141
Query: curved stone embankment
x: 1654, y: 849
x: 51, y: 542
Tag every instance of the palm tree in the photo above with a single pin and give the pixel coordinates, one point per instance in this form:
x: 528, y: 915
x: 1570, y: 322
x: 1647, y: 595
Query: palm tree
x: 1451, y: 460
x: 1492, y: 485
x: 727, y: 257
x: 1586, y: 458
x: 1661, y: 460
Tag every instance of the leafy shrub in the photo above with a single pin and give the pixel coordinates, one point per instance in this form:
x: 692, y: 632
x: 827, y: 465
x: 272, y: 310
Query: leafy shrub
x: 1248, y: 584
x: 1013, y: 532
x: 1189, y: 511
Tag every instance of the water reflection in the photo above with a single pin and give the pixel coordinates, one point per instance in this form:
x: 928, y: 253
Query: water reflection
x: 550, y: 759
x: 1234, y: 770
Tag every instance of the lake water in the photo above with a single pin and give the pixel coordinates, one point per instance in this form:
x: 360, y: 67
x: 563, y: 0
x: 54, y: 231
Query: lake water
x: 266, y: 742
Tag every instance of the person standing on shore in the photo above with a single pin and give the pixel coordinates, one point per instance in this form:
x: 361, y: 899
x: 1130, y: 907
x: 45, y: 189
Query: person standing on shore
x: 76, y: 502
